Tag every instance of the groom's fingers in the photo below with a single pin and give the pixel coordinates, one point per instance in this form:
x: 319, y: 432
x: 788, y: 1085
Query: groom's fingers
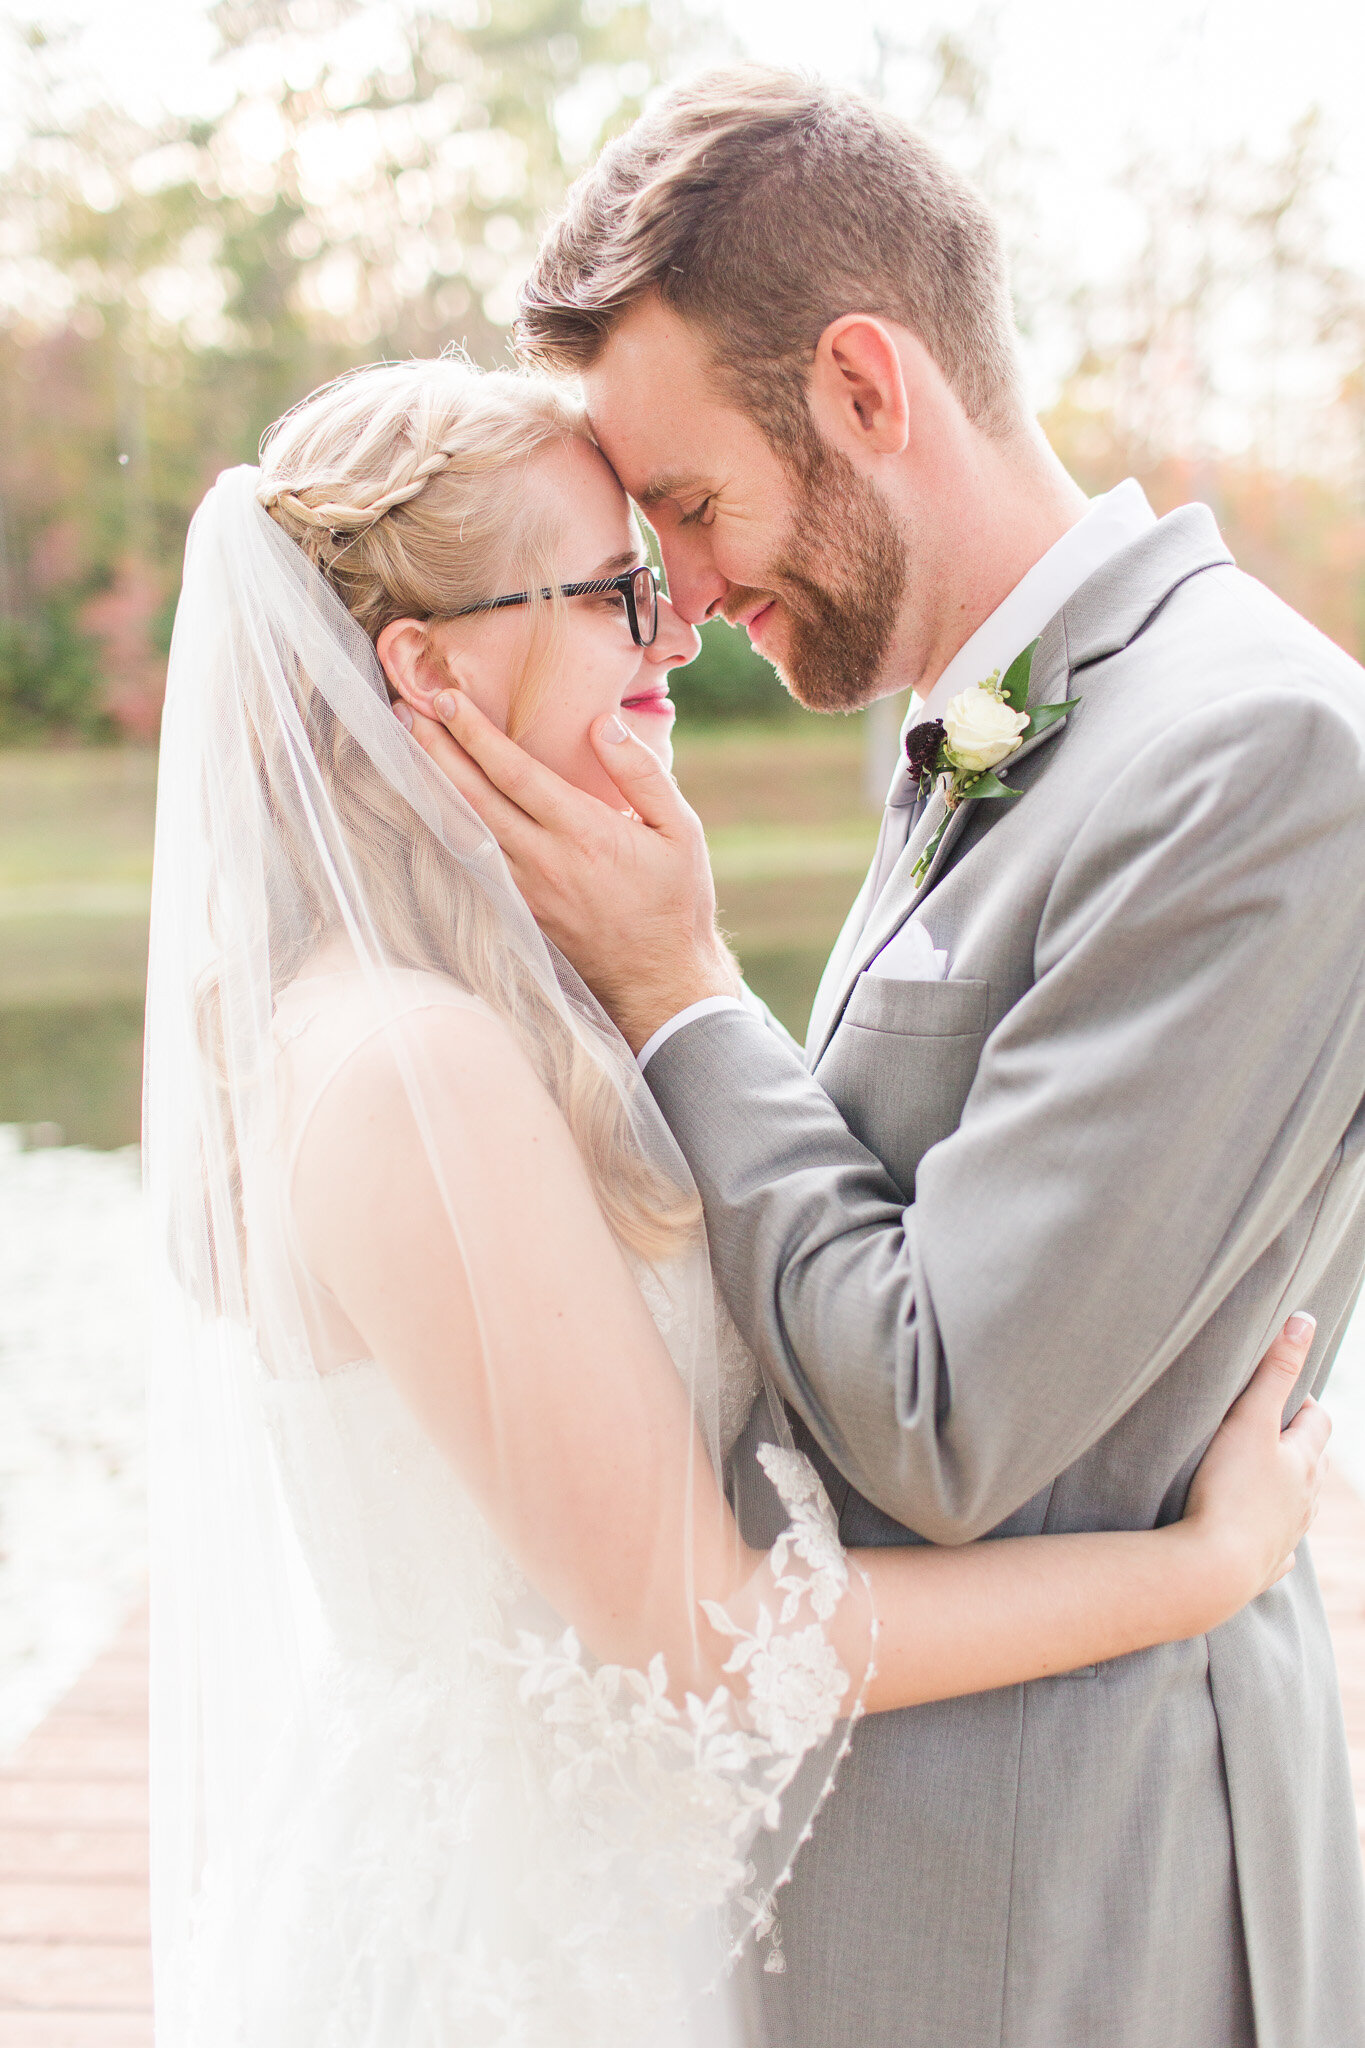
x: 639, y: 774
x: 536, y: 791
x: 503, y: 819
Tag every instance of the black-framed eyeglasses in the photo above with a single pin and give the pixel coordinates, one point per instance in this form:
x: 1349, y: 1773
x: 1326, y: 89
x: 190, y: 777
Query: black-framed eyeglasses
x: 639, y: 590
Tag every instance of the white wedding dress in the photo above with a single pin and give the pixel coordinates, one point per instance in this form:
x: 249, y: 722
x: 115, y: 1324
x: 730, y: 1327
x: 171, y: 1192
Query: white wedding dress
x: 479, y: 1839
x: 394, y: 1803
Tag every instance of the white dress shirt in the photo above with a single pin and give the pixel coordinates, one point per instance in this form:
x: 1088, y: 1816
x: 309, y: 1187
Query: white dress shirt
x: 1112, y: 521
x: 1120, y: 516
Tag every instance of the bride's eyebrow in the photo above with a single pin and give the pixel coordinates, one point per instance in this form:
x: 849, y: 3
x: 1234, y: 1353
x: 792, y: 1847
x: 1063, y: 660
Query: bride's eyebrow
x: 629, y: 558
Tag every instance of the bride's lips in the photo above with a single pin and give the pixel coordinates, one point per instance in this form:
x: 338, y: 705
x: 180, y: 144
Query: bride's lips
x: 653, y: 702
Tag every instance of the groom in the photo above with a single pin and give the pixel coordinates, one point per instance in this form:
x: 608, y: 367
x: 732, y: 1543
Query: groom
x: 1080, y: 1114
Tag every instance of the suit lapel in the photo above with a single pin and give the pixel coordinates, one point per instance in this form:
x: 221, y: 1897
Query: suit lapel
x: 1103, y: 616
x: 832, y: 980
x: 902, y: 894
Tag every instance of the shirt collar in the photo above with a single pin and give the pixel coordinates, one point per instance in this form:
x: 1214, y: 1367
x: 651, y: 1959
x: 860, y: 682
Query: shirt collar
x: 1112, y: 521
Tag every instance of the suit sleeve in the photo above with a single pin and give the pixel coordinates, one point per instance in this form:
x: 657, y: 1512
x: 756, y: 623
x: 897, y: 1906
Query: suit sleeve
x: 1142, y: 1123
x: 756, y: 1007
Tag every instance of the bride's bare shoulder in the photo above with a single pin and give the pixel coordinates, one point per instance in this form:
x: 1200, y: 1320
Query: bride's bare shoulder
x: 356, y: 1047
x: 415, y: 1104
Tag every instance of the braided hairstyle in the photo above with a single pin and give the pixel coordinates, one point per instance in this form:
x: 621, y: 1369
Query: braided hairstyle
x: 405, y: 483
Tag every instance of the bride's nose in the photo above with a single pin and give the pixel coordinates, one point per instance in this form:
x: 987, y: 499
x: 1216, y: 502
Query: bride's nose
x: 676, y: 643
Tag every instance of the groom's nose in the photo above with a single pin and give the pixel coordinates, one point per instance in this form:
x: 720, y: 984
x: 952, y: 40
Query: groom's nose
x: 696, y: 588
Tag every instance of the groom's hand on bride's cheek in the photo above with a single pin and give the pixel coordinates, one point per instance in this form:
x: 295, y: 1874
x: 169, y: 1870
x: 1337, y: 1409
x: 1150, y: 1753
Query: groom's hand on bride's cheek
x: 627, y: 895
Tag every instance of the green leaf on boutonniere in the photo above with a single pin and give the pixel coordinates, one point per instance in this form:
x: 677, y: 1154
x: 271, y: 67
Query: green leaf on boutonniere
x: 986, y: 785
x: 1014, y: 688
x: 926, y: 859
x: 981, y: 790
x: 1044, y: 716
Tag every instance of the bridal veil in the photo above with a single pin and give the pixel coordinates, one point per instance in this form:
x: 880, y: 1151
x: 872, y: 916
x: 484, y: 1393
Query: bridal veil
x: 395, y: 1799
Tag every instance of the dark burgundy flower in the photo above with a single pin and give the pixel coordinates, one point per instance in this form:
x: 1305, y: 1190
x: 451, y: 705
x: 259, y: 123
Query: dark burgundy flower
x: 922, y: 743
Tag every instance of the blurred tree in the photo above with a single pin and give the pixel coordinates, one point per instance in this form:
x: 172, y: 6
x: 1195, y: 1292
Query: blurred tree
x: 48, y: 679
x: 1222, y: 359
x: 367, y: 179
x: 370, y: 186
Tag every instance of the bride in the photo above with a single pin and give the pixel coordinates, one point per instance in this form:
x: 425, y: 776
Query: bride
x: 472, y: 1696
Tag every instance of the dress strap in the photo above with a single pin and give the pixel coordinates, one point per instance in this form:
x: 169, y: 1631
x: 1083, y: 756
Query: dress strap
x: 430, y: 992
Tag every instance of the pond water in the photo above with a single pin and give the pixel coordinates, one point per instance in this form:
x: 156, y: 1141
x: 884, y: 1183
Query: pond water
x: 72, y: 1484
x: 75, y: 1065
x: 79, y: 1065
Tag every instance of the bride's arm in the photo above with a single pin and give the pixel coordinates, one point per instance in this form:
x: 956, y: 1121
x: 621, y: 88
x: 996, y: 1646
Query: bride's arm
x: 999, y: 1613
x: 464, y: 1243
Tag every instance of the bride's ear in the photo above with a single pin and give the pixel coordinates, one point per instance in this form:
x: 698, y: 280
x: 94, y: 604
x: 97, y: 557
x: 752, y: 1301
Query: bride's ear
x: 412, y: 668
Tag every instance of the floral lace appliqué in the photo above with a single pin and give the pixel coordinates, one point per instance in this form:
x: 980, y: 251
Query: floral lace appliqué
x: 676, y: 1789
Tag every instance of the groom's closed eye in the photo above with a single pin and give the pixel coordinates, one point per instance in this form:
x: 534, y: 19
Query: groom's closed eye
x: 689, y: 492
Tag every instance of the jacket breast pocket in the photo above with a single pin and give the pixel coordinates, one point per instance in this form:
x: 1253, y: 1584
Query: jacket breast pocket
x: 901, y: 1063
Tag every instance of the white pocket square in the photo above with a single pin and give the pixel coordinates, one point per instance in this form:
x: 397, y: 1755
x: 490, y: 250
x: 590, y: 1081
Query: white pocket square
x: 910, y: 955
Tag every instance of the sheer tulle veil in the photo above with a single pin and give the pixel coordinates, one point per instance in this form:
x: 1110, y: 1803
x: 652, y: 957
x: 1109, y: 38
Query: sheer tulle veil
x: 294, y: 810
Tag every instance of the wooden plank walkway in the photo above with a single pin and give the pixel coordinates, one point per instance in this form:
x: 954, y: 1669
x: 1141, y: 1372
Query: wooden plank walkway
x: 74, y: 1966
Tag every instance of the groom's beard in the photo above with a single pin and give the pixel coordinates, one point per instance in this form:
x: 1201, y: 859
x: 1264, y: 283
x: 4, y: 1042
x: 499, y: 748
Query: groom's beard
x: 840, y: 581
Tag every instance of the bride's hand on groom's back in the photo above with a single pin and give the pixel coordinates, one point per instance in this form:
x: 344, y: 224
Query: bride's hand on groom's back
x: 1256, y: 1491
x: 626, y: 895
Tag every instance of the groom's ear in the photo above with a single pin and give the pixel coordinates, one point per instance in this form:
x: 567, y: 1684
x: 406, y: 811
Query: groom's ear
x: 858, y: 391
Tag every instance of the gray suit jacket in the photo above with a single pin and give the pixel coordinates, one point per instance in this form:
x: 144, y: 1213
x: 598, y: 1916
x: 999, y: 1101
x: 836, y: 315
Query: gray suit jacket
x: 1011, y: 1243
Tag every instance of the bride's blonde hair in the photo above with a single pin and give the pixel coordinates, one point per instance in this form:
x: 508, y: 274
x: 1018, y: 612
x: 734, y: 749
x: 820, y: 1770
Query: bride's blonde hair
x: 406, y: 485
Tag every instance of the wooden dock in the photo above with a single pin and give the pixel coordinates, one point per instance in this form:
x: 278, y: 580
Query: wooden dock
x: 75, y: 1971
x: 74, y: 1965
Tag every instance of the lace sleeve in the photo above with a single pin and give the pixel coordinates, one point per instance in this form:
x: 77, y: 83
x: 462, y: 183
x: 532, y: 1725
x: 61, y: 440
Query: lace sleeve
x: 673, y: 1792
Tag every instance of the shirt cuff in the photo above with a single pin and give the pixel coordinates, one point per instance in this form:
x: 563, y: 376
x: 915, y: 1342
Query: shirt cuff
x: 706, y: 1008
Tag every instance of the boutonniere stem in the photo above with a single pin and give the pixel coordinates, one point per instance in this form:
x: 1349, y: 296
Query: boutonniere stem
x: 958, y: 754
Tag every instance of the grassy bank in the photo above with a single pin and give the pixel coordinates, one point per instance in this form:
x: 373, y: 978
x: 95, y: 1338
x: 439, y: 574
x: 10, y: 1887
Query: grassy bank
x: 786, y: 821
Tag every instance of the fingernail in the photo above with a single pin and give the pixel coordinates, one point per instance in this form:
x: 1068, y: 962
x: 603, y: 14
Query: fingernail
x: 403, y: 714
x: 614, y: 732
x: 1300, y: 1328
x: 444, y: 705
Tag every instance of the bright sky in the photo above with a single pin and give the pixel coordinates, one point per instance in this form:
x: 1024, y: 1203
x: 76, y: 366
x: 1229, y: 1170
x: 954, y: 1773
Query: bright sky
x: 1084, y: 75
x: 1088, y: 79
x: 1096, y: 82
x: 1092, y: 84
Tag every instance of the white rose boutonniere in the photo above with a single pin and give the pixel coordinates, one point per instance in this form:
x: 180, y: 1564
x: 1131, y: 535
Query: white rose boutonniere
x: 982, y: 730
x: 958, y: 754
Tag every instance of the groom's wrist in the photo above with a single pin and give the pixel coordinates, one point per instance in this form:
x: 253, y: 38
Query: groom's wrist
x: 647, y: 1007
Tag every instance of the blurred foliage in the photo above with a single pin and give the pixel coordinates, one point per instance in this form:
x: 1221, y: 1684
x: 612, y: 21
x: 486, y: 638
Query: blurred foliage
x: 1302, y: 534
x: 729, y: 680
x: 368, y: 181
x: 48, y: 678
x: 370, y: 187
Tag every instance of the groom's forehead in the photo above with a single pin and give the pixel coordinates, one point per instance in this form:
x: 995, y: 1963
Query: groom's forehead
x: 649, y: 394
x: 654, y: 452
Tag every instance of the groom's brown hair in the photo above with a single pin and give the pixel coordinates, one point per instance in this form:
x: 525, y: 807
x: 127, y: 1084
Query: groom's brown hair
x: 761, y: 206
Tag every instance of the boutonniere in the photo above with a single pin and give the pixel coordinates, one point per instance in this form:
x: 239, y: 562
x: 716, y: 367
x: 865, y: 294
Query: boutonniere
x: 959, y: 753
